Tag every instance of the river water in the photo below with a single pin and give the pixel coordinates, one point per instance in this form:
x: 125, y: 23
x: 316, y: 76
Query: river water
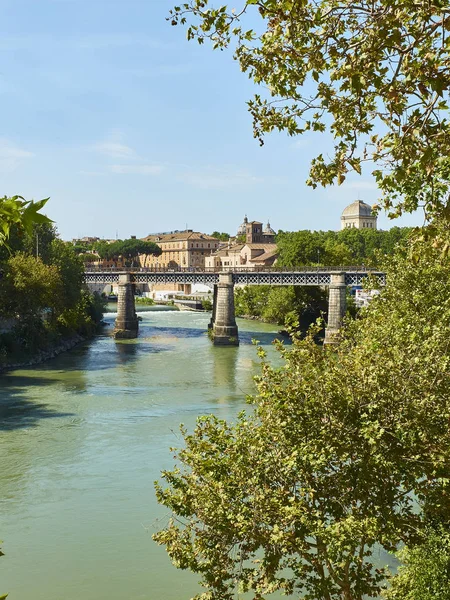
x: 82, y: 439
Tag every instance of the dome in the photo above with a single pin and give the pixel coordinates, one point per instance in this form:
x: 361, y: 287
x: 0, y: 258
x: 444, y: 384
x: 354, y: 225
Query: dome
x: 357, y: 209
x: 242, y: 229
x: 268, y: 230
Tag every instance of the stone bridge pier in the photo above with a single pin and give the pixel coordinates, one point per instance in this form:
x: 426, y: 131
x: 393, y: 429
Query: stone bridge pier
x: 336, y: 308
x: 223, y: 321
x: 127, y: 324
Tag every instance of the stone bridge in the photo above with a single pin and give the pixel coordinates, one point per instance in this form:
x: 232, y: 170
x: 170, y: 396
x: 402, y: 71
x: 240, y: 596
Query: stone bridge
x: 223, y: 322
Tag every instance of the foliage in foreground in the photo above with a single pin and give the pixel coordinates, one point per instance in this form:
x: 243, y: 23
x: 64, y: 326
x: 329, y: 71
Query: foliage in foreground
x: 18, y: 213
x: 296, y: 495
x: 426, y: 571
x: 372, y: 73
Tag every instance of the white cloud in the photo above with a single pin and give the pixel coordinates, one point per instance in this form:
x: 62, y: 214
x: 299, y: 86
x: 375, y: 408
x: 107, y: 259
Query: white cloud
x: 217, y: 179
x: 136, y: 169
x: 114, y: 149
x: 11, y: 155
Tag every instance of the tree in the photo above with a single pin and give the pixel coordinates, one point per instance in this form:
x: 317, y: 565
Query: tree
x: 347, y: 247
x: 374, y: 74
x: 20, y: 213
x: 223, y: 237
x: 426, y: 571
x: 129, y: 249
x: 29, y: 286
x: 344, y: 452
x: 302, y: 248
x: 71, y: 269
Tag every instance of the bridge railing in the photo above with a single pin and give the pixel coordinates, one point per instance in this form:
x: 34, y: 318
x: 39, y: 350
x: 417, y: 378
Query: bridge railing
x: 238, y: 269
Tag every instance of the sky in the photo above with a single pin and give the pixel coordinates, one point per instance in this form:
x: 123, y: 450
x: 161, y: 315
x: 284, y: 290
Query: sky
x: 131, y: 129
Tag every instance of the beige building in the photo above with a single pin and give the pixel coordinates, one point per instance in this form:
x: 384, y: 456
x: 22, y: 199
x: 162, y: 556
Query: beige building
x: 180, y: 249
x: 259, y: 249
x: 358, y: 215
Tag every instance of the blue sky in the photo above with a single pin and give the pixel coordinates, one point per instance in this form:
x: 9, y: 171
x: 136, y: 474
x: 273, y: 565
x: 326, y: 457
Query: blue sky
x: 129, y: 128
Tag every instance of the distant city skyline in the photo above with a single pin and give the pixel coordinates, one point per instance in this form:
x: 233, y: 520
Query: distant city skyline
x: 129, y: 127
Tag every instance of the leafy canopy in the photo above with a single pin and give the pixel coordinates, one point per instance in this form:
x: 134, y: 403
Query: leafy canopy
x: 130, y: 248
x: 29, y: 286
x: 18, y: 212
x: 345, y: 452
x: 222, y: 236
x: 425, y: 574
x: 347, y: 247
x: 375, y: 74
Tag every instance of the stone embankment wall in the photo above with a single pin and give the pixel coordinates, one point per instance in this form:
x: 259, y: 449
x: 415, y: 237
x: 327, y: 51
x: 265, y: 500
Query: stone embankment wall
x: 44, y: 355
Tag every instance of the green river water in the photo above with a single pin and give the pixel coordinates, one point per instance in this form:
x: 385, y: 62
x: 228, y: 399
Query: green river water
x: 82, y: 439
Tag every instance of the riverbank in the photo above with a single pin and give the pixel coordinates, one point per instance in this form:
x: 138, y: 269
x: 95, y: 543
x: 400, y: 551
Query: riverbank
x: 45, y: 355
x: 256, y: 318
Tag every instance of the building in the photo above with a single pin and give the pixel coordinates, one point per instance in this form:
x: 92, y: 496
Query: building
x: 85, y: 240
x: 258, y: 250
x: 180, y: 249
x: 254, y: 233
x: 358, y: 215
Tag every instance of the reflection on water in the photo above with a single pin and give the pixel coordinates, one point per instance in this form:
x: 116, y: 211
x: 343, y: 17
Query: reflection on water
x: 83, y: 437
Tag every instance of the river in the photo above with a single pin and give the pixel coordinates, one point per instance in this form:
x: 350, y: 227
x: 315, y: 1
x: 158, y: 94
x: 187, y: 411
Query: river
x: 82, y: 439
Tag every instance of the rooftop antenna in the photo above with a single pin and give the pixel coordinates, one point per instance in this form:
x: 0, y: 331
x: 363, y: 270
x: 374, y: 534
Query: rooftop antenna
x: 117, y: 234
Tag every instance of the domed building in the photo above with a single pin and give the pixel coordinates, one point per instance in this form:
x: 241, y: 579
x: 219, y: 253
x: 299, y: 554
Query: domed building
x: 359, y: 215
x: 242, y: 229
x: 268, y: 230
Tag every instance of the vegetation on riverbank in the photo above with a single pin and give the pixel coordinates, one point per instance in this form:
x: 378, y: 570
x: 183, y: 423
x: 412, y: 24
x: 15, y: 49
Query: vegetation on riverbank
x: 144, y: 300
x: 346, y: 450
x: 305, y: 305
x: 43, y: 300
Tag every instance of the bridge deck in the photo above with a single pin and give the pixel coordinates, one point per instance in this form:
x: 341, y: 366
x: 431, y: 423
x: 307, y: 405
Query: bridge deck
x: 301, y: 276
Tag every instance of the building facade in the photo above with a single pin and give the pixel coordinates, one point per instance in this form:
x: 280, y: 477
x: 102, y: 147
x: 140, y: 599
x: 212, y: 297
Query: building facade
x: 258, y: 250
x: 180, y: 249
x: 358, y: 215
